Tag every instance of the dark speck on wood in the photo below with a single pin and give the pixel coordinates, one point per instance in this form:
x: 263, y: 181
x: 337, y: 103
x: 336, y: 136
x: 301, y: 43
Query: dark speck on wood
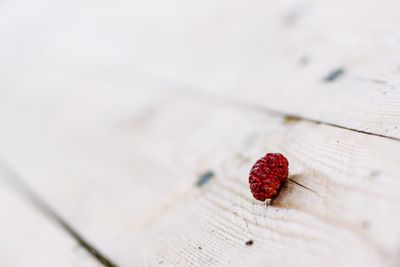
x: 249, y: 243
x: 334, y: 75
x: 204, y: 178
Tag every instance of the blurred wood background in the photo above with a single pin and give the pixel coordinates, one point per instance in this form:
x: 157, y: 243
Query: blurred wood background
x: 127, y: 130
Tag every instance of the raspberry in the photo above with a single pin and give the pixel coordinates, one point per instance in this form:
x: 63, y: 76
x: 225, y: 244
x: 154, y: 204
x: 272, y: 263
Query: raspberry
x: 268, y: 175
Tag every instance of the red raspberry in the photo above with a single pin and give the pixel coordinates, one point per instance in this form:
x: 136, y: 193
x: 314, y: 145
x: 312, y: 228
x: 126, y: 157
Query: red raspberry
x: 268, y: 175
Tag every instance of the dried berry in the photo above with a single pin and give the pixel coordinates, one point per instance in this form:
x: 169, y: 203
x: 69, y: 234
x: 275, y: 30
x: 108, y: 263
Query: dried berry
x: 268, y: 175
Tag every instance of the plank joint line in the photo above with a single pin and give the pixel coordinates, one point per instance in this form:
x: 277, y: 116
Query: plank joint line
x: 17, y: 182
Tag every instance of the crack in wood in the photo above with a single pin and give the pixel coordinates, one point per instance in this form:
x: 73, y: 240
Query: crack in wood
x: 231, y: 101
x: 301, y: 118
x: 15, y: 180
x: 301, y: 185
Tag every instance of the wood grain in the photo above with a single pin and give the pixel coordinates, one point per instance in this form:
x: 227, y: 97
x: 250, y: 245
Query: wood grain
x: 131, y: 186
x: 28, y: 238
x: 111, y: 112
x: 273, y: 55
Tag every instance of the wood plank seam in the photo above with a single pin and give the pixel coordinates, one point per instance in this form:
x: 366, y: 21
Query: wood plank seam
x: 235, y: 102
x: 12, y: 177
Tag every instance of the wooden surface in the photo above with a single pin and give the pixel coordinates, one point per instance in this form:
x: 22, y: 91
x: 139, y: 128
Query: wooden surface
x: 111, y: 113
x: 29, y: 239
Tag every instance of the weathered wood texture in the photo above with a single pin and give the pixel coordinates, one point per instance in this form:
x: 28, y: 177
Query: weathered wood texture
x: 111, y: 112
x: 276, y: 55
x: 130, y: 188
x: 30, y: 239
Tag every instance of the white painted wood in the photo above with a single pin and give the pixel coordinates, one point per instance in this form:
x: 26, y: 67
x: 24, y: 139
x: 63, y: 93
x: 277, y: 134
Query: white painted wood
x: 129, y: 185
x: 28, y: 238
x: 110, y: 111
x: 273, y: 54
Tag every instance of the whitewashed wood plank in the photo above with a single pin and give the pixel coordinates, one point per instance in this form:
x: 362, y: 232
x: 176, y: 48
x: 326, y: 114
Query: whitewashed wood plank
x: 98, y: 163
x: 28, y: 238
x: 129, y: 186
x: 273, y: 54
